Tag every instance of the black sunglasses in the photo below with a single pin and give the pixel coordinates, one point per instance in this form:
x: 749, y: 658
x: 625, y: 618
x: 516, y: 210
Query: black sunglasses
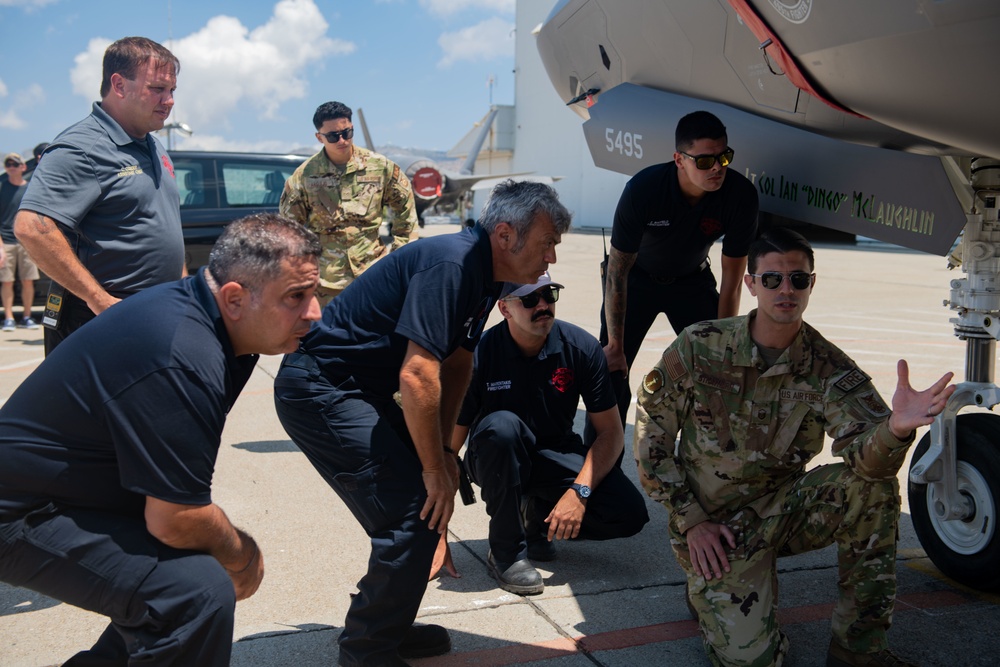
x: 11, y: 164
x: 772, y: 279
x: 550, y: 294
x: 705, y: 162
x: 334, y: 137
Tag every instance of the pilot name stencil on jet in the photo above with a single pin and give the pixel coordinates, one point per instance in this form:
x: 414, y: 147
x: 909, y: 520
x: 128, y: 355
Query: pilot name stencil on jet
x: 867, y: 207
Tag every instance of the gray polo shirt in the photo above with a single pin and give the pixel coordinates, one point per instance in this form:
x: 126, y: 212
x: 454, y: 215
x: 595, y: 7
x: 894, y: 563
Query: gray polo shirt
x: 116, y: 200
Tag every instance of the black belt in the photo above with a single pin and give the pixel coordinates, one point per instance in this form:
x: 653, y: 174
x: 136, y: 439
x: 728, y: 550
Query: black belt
x: 663, y: 280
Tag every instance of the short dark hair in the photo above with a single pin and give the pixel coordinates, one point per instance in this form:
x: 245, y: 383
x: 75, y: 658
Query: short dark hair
x: 698, y: 125
x: 330, y: 111
x: 517, y: 203
x: 778, y: 239
x: 250, y: 250
x: 128, y: 54
x: 39, y: 149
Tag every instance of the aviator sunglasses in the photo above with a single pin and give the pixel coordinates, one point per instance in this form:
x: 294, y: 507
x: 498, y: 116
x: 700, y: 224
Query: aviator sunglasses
x: 800, y: 280
x: 334, y: 137
x: 550, y: 294
x: 706, y: 162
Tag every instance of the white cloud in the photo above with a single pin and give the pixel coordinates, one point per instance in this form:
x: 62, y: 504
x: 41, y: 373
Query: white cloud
x: 489, y: 39
x: 27, y: 5
x: 227, y: 68
x: 23, y: 101
x: 451, y: 7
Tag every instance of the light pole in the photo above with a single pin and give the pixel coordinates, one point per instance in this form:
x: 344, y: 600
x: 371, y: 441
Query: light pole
x: 180, y: 127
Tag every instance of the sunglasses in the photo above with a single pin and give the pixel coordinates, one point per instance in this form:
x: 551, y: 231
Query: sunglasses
x: 550, y: 294
x: 705, y: 162
x: 800, y: 280
x: 334, y: 137
x: 11, y: 164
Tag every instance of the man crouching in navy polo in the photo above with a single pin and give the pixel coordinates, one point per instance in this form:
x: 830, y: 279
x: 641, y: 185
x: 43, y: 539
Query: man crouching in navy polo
x: 539, y: 481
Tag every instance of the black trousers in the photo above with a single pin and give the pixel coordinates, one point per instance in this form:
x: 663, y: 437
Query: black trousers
x: 685, y: 301
x: 167, y: 606
x: 362, y: 448
x: 507, y: 463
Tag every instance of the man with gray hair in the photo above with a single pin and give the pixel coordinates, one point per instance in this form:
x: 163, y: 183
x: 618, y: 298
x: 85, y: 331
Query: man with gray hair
x: 408, y: 323
x: 105, y: 502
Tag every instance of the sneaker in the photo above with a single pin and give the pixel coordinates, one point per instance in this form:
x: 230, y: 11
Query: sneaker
x: 838, y: 656
x: 520, y: 578
x: 9, y: 325
x: 424, y: 641
x: 28, y: 323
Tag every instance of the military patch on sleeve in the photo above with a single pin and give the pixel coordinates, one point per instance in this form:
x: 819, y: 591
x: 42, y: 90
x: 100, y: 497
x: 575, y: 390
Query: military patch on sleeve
x: 873, y: 403
x: 675, y: 367
x: 852, y: 381
x: 653, y: 382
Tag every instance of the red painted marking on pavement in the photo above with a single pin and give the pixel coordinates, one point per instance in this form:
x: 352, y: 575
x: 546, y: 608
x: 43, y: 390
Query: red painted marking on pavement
x: 519, y: 654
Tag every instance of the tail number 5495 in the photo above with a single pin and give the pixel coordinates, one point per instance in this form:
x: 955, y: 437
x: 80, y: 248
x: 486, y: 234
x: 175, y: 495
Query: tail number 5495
x: 625, y: 143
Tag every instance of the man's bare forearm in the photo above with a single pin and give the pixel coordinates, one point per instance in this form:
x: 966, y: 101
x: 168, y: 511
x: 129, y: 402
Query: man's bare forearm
x: 616, y: 293
x: 48, y: 246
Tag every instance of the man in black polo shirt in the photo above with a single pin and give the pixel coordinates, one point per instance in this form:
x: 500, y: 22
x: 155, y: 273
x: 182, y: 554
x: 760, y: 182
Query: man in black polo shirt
x: 408, y: 323
x: 108, y: 451
x: 668, y: 217
x: 539, y: 481
x: 101, y: 215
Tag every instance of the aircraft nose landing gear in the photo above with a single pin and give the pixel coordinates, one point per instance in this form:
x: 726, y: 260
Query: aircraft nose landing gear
x: 954, y: 482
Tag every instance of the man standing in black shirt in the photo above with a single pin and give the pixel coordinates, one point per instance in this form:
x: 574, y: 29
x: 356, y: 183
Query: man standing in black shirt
x: 667, y: 219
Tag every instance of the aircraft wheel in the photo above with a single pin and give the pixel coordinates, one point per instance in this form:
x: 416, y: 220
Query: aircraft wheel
x: 967, y: 550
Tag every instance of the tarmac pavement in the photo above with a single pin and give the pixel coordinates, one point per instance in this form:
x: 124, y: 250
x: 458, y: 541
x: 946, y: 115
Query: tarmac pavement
x: 616, y: 603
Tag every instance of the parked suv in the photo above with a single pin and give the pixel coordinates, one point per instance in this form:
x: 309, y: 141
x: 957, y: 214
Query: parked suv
x: 217, y: 188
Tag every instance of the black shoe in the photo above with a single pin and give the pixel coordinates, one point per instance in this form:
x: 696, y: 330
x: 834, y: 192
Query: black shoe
x: 424, y: 641
x: 520, y: 578
x: 541, y: 550
x: 838, y: 656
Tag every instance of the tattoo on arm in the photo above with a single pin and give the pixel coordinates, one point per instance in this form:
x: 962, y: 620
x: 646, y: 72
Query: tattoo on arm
x: 616, y: 295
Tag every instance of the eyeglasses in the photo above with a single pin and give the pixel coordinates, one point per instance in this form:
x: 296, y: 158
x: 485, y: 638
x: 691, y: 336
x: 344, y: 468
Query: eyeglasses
x: 800, y: 280
x: 550, y: 294
x: 706, y: 162
x: 334, y: 137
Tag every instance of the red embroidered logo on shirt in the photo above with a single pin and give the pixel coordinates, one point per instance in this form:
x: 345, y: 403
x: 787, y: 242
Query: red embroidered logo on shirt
x: 562, y: 379
x: 167, y: 165
x: 710, y: 227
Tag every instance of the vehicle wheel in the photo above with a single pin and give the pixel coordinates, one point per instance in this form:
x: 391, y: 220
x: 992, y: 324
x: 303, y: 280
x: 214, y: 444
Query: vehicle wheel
x: 966, y: 550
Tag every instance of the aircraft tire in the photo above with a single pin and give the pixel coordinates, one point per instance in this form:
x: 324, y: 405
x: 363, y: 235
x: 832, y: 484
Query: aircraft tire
x: 967, y: 550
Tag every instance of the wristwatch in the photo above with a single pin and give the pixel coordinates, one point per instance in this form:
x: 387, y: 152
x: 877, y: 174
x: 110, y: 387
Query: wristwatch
x: 582, y: 490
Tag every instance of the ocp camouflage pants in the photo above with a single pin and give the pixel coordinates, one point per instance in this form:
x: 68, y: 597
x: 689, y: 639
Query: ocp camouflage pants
x: 829, y: 504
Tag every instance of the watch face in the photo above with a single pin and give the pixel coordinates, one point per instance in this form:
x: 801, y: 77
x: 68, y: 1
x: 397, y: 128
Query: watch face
x: 582, y: 490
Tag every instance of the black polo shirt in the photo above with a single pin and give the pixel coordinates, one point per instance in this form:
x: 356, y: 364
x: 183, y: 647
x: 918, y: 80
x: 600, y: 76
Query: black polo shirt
x: 116, y: 198
x: 672, y: 237
x: 545, y: 390
x: 131, y: 405
x: 436, y: 291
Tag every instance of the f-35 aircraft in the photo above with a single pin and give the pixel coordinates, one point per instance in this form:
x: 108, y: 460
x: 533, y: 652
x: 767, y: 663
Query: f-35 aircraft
x: 435, y: 189
x: 876, y: 118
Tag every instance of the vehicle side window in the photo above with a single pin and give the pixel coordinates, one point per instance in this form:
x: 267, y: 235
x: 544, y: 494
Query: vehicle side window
x: 253, y: 184
x: 195, y: 184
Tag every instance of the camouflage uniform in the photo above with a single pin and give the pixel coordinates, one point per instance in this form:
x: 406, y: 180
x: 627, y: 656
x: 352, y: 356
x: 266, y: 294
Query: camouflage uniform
x: 746, y: 437
x: 346, y: 210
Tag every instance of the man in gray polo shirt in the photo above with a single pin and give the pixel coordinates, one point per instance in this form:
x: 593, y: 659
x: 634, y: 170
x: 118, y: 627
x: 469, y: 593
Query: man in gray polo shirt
x: 102, y: 212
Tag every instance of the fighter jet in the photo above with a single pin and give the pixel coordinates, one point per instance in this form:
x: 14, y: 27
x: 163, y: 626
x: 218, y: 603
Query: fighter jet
x: 876, y: 118
x: 435, y: 189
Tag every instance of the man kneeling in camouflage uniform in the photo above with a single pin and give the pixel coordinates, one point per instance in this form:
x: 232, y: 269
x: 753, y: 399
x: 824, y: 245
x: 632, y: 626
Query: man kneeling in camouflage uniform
x: 751, y: 397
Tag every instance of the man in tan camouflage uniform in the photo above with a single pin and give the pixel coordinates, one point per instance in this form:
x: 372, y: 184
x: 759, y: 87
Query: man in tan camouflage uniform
x: 341, y: 193
x: 751, y: 397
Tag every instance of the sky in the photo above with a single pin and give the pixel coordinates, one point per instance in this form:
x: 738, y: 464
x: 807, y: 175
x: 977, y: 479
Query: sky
x: 254, y: 71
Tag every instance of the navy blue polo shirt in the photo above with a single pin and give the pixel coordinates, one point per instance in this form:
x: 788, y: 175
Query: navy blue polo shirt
x: 672, y: 237
x: 131, y: 405
x: 116, y: 199
x: 545, y: 390
x: 435, y: 291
